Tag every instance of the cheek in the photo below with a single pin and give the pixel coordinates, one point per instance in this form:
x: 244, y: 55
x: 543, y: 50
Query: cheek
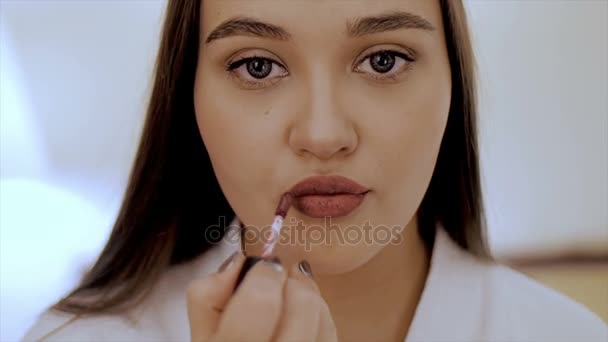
x: 240, y: 152
x: 406, y: 140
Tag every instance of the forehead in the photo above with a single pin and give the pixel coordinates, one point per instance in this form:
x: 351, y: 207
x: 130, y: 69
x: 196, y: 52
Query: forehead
x: 305, y: 17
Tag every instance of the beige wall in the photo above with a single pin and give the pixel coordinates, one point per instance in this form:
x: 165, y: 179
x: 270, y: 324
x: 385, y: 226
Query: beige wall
x: 585, y: 283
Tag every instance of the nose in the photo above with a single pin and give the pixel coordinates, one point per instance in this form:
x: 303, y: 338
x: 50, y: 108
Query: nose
x: 322, y: 129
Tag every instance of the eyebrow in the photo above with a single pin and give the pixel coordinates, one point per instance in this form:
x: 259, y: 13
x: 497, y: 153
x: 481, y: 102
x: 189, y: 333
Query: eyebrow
x: 245, y: 26
x: 388, y: 21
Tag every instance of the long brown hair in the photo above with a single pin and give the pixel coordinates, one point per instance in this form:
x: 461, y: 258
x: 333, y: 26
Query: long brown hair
x: 162, y: 221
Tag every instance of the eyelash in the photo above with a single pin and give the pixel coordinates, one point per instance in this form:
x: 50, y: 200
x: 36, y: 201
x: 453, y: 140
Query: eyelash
x: 409, y: 58
x: 231, y: 67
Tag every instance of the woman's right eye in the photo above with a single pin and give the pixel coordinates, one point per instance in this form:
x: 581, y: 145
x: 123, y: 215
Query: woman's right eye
x: 256, y: 71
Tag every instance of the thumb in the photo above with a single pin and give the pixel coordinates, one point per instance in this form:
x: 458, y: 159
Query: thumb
x: 207, y: 297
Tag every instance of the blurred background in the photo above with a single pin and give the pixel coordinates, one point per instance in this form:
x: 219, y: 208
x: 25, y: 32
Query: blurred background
x: 74, y: 81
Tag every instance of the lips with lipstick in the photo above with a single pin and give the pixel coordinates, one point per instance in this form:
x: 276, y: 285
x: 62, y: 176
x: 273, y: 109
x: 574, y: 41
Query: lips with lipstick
x: 322, y: 196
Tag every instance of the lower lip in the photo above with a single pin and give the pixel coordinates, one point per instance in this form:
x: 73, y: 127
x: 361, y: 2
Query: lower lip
x: 319, y: 206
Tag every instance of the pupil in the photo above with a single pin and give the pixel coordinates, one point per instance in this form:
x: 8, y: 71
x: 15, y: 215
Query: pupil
x: 259, y: 68
x: 383, y: 62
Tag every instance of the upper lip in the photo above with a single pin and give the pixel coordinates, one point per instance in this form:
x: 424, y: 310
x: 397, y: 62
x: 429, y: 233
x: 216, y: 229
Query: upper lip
x: 327, y: 185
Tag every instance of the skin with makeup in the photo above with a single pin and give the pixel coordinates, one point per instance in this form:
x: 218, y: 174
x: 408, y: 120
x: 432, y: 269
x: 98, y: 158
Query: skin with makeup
x: 346, y: 127
x: 364, y: 94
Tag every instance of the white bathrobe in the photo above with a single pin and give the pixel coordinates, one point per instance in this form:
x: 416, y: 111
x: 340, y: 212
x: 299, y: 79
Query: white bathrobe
x: 464, y: 299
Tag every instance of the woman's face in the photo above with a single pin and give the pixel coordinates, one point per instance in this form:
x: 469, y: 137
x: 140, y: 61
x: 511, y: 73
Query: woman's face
x: 293, y: 89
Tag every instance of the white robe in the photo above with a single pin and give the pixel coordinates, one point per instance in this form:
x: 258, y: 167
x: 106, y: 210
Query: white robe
x: 464, y: 299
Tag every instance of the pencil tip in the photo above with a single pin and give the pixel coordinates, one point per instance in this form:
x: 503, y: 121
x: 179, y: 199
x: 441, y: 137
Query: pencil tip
x: 284, y: 204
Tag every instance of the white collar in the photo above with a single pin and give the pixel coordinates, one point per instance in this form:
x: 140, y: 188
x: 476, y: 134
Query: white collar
x: 450, y: 308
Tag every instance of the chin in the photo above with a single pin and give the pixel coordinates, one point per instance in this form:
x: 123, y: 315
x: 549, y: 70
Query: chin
x: 328, y: 259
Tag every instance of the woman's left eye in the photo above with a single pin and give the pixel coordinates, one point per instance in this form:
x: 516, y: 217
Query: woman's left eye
x: 384, y: 64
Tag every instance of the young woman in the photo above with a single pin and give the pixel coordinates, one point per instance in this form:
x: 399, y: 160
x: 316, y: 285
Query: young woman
x: 365, y: 112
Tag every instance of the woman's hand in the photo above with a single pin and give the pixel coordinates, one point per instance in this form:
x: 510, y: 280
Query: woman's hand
x: 269, y: 305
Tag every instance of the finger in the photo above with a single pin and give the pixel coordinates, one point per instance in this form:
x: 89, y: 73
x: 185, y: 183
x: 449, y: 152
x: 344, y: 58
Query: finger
x: 207, y: 297
x: 302, y: 271
x: 301, y: 310
x: 254, y: 310
x: 327, y: 328
x: 327, y: 331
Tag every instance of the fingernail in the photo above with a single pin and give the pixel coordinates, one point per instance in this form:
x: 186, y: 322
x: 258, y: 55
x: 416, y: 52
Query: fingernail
x: 228, y: 262
x: 304, y: 267
x: 274, y: 263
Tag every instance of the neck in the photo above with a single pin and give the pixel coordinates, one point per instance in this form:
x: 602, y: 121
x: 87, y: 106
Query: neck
x: 377, y: 301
